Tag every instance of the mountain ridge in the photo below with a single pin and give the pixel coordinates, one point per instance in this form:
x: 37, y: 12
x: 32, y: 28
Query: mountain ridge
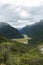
x: 9, y: 32
x: 34, y: 31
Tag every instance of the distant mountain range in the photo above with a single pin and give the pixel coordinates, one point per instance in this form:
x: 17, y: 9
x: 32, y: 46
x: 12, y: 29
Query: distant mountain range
x: 34, y: 31
x: 9, y: 32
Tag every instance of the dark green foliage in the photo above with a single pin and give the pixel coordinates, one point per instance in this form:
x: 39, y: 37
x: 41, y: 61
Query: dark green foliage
x: 14, y: 53
x: 33, y: 61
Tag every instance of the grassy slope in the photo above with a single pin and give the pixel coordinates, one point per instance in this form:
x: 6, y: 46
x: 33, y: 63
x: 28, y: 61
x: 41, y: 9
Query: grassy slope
x: 16, y: 53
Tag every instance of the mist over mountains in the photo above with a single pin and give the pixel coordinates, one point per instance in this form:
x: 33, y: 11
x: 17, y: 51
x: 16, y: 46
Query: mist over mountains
x: 34, y: 31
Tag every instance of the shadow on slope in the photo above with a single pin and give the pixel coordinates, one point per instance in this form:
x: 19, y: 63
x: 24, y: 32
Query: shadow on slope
x: 9, y: 32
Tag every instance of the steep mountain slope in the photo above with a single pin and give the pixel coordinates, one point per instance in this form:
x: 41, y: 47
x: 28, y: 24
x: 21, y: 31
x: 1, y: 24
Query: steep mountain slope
x: 2, y: 39
x: 9, y: 32
x: 34, y: 31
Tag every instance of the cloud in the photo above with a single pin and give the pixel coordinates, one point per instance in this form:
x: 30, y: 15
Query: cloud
x: 19, y: 13
x: 21, y: 23
x: 7, y: 13
x: 36, y: 13
x: 23, y: 13
x: 29, y: 3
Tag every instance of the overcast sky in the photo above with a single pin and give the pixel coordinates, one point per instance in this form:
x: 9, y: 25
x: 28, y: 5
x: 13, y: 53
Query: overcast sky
x: 19, y: 13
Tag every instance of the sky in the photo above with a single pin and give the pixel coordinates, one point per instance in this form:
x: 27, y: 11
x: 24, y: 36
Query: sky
x: 19, y: 13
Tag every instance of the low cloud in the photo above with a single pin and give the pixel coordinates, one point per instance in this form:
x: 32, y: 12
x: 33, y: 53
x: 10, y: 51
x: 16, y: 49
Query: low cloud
x: 36, y: 13
x: 12, y: 15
